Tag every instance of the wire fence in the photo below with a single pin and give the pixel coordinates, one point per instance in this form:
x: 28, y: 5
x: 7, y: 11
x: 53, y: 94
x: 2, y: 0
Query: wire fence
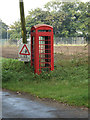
x: 69, y: 40
x: 10, y: 48
x: 57, y: 40
x: 4, y: 42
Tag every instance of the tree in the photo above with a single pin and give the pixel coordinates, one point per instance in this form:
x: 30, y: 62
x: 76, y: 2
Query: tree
x: 83, y: 18
x: 15, y: 31
x: 4, y: 28
x: 36, y: 16
x: 68, y: 19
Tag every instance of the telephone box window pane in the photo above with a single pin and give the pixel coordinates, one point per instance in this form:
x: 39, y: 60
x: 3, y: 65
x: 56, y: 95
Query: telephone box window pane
x: 33, y: 30
x: 44, y: 30
x: 44, y: 52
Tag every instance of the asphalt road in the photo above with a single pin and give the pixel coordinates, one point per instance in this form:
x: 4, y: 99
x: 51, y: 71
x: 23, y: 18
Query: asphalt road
x: 19, y: 106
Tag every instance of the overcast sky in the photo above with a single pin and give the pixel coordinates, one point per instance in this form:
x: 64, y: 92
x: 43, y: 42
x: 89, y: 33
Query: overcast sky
x: 9, y: 9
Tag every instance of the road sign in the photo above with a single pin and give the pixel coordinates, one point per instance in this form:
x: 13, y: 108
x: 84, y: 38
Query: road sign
x: 24, y: 52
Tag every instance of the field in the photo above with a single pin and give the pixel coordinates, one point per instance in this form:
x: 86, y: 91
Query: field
x: 68, y: 83
x: 12, y: 51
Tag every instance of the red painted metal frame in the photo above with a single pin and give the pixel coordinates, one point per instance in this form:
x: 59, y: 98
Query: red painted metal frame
x: 36, y: 52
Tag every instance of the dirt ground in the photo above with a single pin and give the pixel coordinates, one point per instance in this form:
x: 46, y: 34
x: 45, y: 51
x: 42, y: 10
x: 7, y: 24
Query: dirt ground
x: 12, y: 51
x: 71, y: 50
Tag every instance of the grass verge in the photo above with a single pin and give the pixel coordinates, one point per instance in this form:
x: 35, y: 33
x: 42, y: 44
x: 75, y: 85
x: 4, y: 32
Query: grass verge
x: 68, y: 83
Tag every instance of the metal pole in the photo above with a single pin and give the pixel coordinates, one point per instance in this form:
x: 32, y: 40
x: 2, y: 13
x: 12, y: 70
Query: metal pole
x: 23, y: 21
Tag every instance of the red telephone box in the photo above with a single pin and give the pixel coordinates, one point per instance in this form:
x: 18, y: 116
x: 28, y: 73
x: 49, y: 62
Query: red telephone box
x: 42, y: 57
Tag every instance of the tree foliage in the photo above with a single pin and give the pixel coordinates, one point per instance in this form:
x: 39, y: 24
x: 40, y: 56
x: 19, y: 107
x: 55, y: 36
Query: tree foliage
x: 15, y: 30
x: 68, y: 19
x: 4, y: 28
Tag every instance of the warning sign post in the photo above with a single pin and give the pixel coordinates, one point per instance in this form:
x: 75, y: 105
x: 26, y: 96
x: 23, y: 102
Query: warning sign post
x: 24, y: 52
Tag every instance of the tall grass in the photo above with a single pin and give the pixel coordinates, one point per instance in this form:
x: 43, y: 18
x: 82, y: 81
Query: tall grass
x: 68, y: 83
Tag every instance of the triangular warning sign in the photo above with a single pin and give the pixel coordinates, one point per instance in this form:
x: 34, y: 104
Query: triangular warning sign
x: 24, y: 50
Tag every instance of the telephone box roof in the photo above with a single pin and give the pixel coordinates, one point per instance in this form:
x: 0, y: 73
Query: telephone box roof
x: 42, y: 25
